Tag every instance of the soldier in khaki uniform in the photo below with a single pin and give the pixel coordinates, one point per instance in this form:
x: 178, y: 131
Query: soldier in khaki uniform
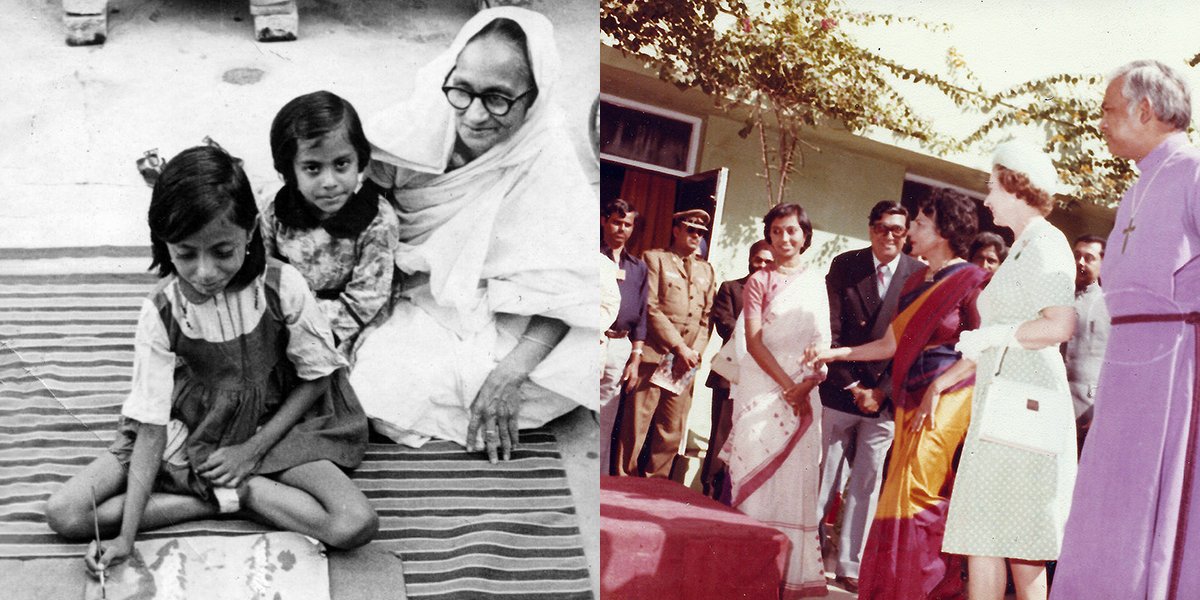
x: 682, y: 286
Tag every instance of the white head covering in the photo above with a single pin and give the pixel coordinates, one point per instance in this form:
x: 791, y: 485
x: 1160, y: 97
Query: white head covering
x: 520, y: 217
x: 1031, y: 161
x: 419, y: 133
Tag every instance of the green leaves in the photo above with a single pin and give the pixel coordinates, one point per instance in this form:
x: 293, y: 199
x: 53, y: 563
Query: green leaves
x: 796, y: 63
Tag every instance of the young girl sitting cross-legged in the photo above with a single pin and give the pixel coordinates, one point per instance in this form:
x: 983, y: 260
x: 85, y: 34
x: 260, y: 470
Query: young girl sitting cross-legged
x: 240, y: 400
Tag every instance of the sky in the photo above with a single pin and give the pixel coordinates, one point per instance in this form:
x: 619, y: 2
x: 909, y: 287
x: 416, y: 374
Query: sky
x: 1012, y: 41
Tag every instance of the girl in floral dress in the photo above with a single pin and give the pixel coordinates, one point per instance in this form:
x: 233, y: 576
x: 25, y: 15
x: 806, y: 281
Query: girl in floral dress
x: 339, y: 233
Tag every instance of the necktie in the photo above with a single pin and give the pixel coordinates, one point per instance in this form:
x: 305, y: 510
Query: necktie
x: 881, y: 279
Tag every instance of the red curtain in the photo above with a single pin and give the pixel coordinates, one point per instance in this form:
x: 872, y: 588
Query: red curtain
x: 653, y: 197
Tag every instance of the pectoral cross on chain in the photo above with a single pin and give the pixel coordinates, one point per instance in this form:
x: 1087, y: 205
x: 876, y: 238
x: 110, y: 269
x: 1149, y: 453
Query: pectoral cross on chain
x: 1136, y: 201
x: 1128, y: 230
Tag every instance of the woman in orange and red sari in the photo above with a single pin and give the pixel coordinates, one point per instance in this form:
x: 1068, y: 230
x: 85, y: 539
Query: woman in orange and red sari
x: 902, y: 559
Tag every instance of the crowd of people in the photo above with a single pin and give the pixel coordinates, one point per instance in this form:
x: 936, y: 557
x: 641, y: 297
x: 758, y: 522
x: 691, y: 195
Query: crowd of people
x: 399, y: 285
x: 938, y: 386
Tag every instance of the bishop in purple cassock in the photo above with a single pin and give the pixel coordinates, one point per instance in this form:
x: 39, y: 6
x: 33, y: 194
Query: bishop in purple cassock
x: 1134, y: 526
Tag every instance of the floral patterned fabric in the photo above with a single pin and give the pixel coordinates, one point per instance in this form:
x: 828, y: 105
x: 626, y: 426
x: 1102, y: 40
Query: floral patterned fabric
x: 351, y: 277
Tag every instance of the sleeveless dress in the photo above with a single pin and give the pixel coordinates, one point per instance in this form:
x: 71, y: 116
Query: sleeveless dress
x: 224, y: 391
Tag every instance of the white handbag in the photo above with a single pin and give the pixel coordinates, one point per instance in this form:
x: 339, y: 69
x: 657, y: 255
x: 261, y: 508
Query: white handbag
x: 1022, y: 415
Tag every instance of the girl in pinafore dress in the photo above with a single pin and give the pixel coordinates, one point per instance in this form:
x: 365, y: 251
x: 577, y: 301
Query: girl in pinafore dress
x: 339, y: 233
x: 239, y: 400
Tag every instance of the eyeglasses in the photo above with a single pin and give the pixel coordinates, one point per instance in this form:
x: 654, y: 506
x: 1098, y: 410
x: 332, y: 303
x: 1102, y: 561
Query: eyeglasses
x: 495, y: 104
x: 893, y: 230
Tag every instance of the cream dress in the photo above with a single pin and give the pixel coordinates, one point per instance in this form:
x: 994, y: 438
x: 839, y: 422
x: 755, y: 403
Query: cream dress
x: 1007, y: 501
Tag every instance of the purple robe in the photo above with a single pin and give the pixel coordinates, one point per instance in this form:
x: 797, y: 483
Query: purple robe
x: 1121, y: 536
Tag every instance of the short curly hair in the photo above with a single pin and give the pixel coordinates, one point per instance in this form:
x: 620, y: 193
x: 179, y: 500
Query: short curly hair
x: 955, y: 218
x: 1017, y: 184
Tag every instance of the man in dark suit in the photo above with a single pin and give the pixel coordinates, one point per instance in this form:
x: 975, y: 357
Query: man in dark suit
x: 864, y: 291
x: 681, y: 288
x: 727, y: 308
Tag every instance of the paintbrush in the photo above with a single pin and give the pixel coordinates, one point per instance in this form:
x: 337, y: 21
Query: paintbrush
x: 99, y: 553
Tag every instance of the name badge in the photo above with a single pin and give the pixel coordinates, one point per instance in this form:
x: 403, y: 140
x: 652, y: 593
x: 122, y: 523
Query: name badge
x: 620, y: 274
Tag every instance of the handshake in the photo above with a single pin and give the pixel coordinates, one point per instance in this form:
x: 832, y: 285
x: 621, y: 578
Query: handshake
x: 815, y: 358
x: 868, y: 400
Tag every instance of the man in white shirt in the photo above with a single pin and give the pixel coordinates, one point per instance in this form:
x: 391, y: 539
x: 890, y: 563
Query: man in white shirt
x: 1084, y: 352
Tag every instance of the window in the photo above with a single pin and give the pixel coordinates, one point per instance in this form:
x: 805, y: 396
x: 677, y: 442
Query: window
x: 640, y: 135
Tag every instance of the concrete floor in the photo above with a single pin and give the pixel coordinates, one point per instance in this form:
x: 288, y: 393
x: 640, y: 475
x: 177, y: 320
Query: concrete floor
x: 175, y: 71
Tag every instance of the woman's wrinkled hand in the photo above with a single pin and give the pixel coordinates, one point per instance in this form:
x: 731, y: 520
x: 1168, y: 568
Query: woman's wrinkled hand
x: 494, y: 412
x: 111, y: 552
x: 925, y: 411
x: 229, y: 466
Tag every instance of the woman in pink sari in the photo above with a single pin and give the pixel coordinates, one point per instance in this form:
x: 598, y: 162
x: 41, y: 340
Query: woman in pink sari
x: 774, y: 448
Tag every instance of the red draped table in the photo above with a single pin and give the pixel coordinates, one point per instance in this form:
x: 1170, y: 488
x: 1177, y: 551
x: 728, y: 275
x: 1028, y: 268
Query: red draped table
x: 662, y: 541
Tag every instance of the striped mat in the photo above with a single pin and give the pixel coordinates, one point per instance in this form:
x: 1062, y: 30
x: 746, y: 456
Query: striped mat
x: 462, y: 527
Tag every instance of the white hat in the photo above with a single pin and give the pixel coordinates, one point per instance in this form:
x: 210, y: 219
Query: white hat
x: 1030, y: 161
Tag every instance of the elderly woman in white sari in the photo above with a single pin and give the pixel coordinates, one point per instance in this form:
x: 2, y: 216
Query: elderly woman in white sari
x: 494, y: 317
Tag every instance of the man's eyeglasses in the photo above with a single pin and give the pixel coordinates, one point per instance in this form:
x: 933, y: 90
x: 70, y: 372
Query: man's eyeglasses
x: 495, y: 104
x: 893, y: 230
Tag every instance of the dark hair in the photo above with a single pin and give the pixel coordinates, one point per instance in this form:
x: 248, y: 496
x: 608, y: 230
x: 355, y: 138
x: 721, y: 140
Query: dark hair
x: 956, y: 219
x: 1092, y: 238
x: 887, y: 207
x: 617, y: 207
x: 511, y: 31
x: 784, y: 210
x: 1017, y: 184
x: 309, y: 117
x: 198, y: 186
x: 987, y: 239
x: 759, y: 246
